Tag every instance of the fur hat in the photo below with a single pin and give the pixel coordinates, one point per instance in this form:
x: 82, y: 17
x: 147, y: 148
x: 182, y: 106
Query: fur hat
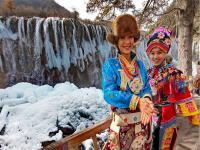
x: 121, y: 26
x: 160, y: 38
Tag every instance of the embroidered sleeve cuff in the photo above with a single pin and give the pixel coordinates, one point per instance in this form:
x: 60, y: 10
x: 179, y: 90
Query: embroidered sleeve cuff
x: 134, y: 102
x: 195, y: 119
x: 147, y: 96
x: 188, y: 108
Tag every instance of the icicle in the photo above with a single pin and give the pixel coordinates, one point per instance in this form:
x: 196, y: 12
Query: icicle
x: 22, y: 42
x: 141, y: 53
x: 105, y: 47
x: 55, y: 30
x: 5, y: 32
x: 21, y: 30
x: 53, y: 61
x: 65, y: 53
x: 38, y: 44
x: 29, y: 30
x: 22, y: 52
x: 1, y: 64
x: 74, y: 54
x: 91, y: 44
x: 55, y: 22
x: 8, y: 45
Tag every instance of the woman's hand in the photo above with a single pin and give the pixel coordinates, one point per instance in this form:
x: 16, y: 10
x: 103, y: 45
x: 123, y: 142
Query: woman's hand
x: 196, y: 82
x: 147, y: 110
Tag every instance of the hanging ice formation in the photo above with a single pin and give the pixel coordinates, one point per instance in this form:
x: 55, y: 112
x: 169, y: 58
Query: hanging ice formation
x: 52, y: 50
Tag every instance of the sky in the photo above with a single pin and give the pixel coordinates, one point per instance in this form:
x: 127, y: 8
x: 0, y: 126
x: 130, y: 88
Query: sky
x: 80, y: 6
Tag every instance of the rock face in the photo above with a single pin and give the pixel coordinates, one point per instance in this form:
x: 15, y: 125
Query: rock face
x: 33, y: 8
x: 51, y: 50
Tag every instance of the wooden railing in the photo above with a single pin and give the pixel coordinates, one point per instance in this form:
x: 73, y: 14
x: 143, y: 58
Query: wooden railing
x: 73, y: 141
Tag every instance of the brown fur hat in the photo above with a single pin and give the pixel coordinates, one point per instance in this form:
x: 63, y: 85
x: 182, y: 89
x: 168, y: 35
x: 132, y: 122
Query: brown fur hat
x: 121, y: 26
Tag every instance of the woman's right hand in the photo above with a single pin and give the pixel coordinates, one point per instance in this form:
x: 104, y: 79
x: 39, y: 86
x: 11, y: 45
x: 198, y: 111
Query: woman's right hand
x: 196, y: 82
x: 147, y: 110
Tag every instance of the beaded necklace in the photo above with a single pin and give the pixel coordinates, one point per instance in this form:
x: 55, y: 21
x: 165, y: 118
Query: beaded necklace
x: 131, y: 69
x: 132, y: 72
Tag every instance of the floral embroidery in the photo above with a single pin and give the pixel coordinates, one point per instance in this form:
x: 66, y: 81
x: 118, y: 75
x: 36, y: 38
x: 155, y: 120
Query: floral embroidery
x: 161, y: 35
x: 165, y: 82
x: 136, y: 85
x: 167, y: 138
x: 190, y: 107
x: 158, y: 75
x: 152, y: 82
x: 167, y: 41
x: 128, y: 138
x: 156, y: 40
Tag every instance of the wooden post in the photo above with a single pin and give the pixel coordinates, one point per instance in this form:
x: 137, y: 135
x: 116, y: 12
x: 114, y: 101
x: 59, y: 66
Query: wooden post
x: 96, y: 147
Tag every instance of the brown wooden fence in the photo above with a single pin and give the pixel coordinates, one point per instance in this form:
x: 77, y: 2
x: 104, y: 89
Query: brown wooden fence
x: 73, y: 141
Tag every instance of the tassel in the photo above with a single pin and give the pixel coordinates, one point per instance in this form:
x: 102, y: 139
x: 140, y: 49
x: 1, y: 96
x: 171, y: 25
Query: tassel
x: 180, y: 86
x: 184, y: 87
x: 171, y: 97
x: 158, y: 101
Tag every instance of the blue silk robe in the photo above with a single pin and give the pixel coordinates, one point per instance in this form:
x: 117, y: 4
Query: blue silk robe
x: 112, y: 82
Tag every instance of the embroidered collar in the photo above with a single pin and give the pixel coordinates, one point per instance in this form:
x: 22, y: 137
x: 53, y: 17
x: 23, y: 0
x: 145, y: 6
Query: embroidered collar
x: 159, y: 73
x: 130, y: 69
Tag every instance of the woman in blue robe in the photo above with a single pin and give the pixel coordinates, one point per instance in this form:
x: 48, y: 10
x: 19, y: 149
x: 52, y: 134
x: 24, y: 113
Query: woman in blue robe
x: 126, y: 88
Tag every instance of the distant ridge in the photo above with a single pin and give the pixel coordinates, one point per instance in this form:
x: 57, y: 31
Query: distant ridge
x: 29, y: 8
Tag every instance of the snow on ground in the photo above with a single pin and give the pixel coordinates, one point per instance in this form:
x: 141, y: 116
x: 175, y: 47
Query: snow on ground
x: 30, y: 112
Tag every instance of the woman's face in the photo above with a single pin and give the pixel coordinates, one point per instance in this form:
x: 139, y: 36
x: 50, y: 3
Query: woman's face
x: 157, y: 56
x: 125, y: 44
